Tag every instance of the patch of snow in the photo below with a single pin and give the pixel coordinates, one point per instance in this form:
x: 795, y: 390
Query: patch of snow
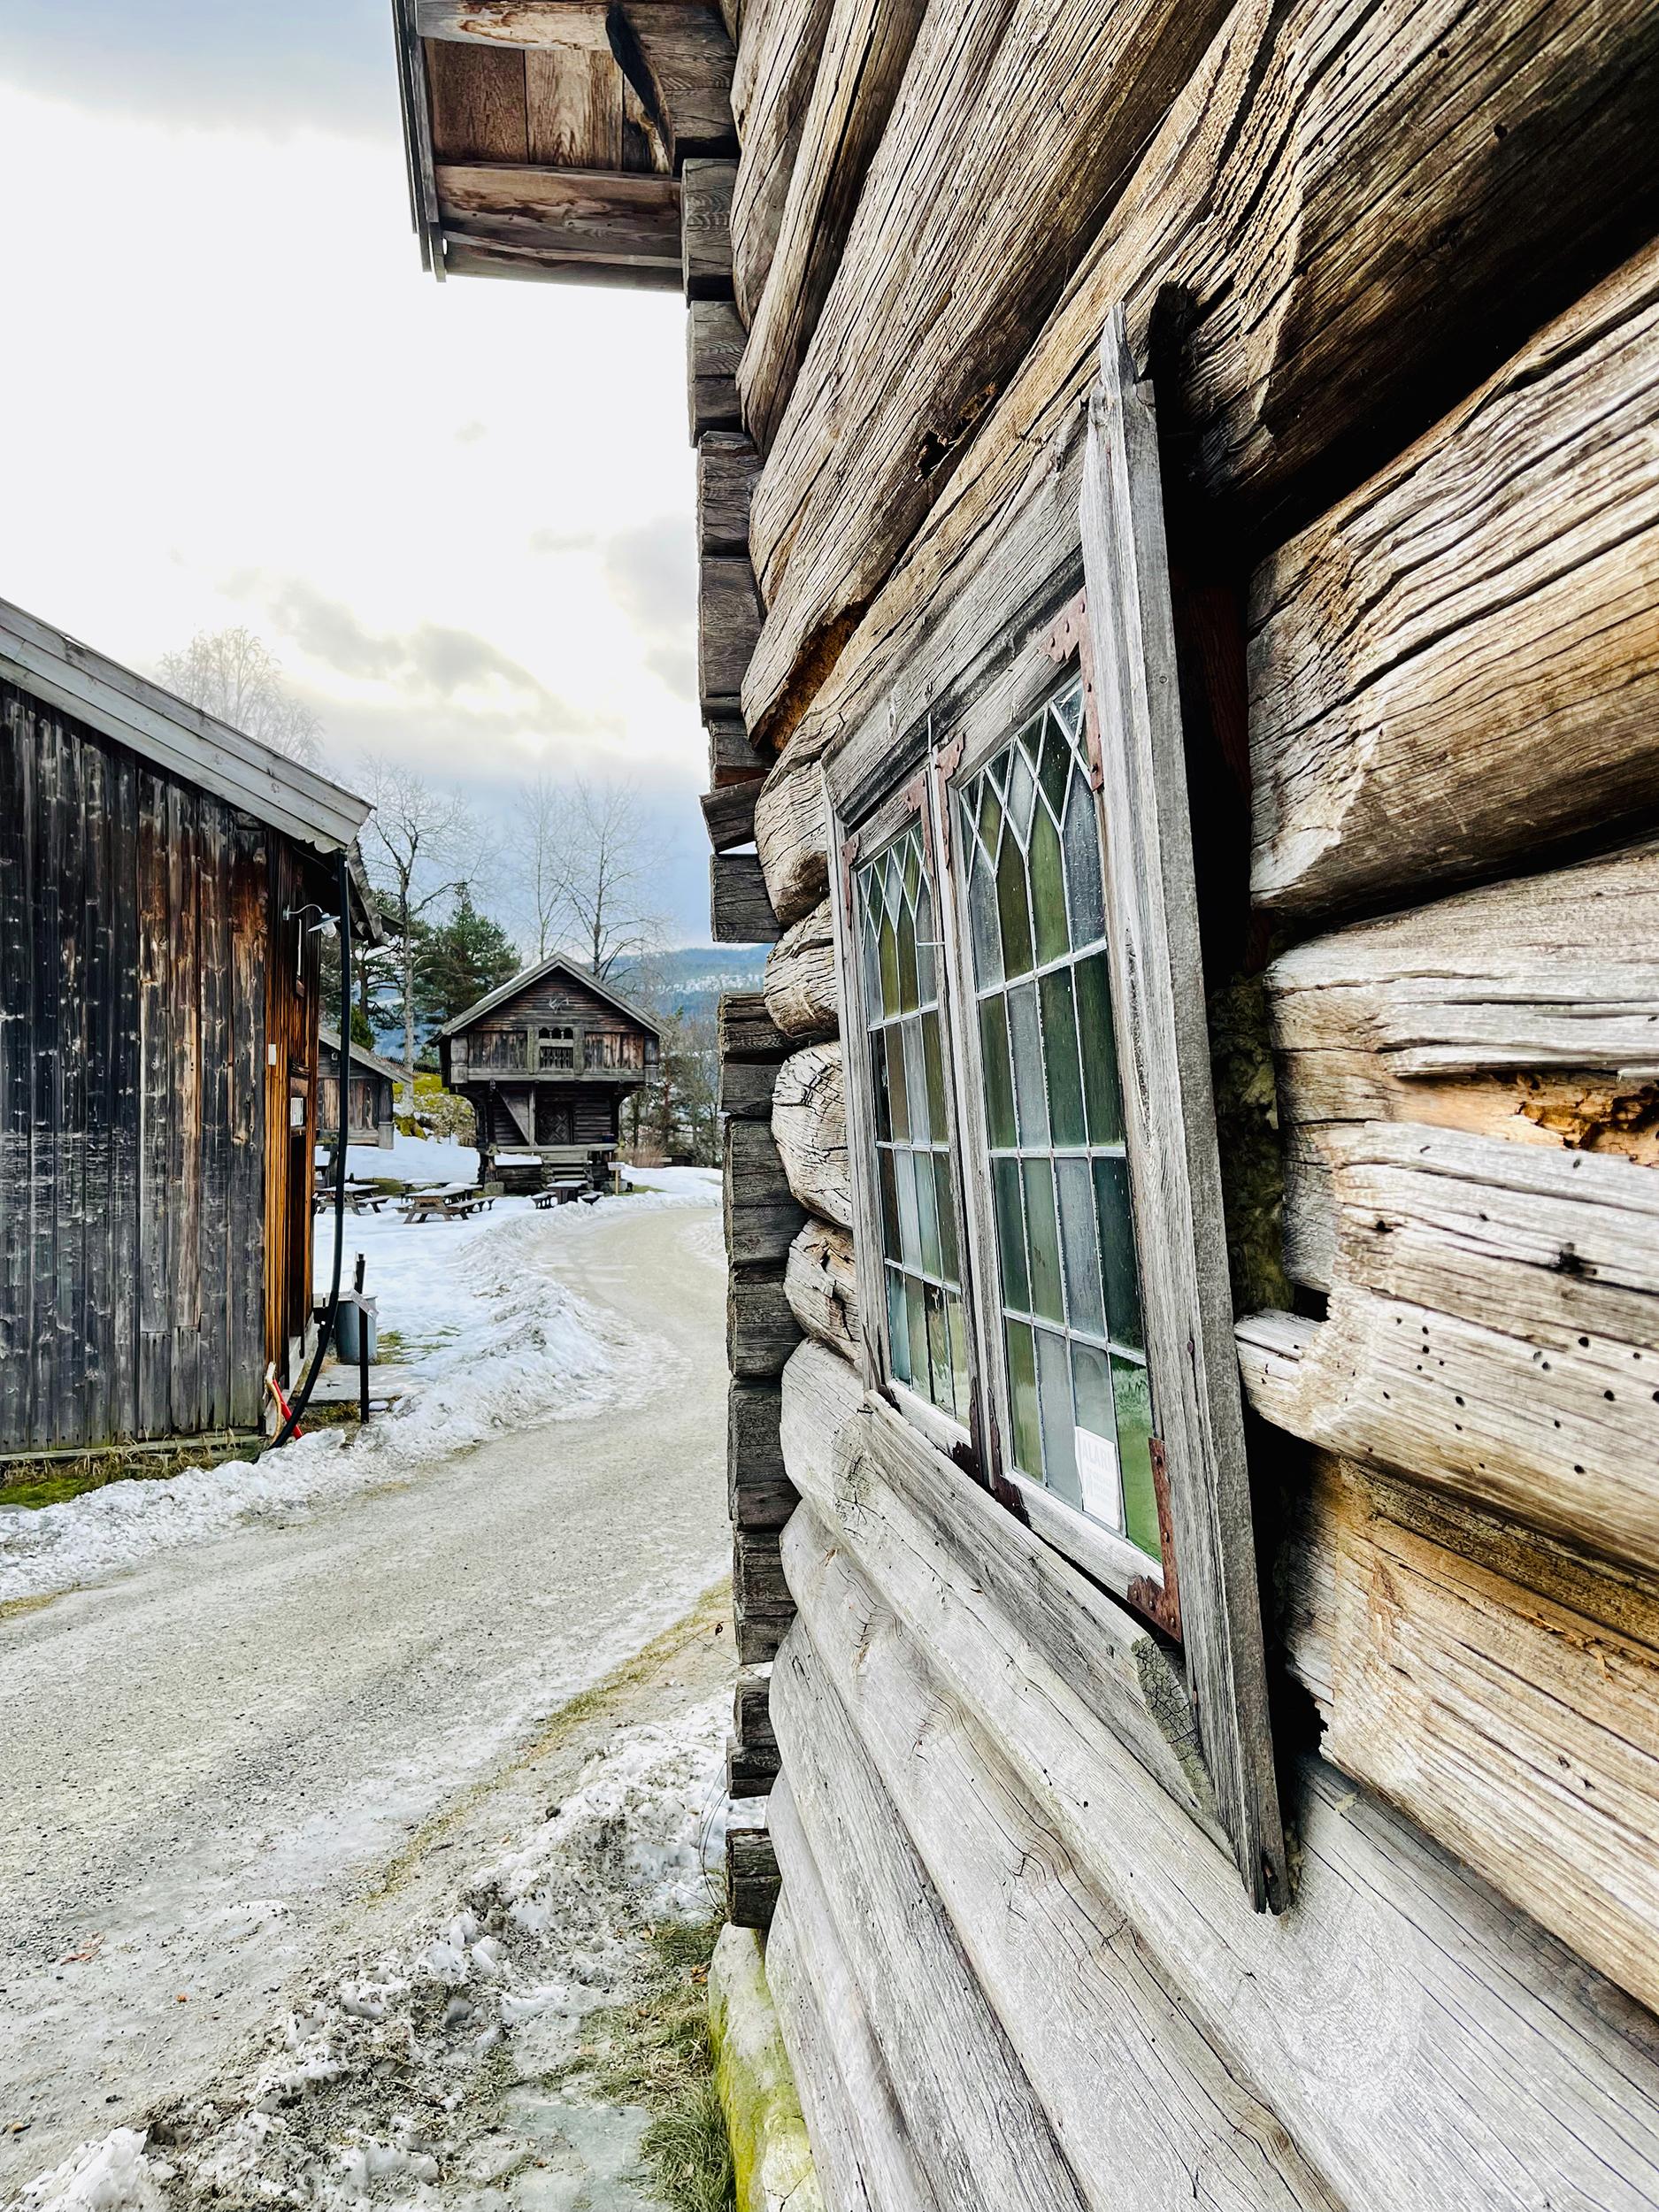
x: 385, y: 2074
x: 410, y: 1160
x: 700, y: 1183
x: 490, y: 1338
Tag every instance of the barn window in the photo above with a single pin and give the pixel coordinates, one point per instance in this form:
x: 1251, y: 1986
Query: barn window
x: 557, y: 1047
x: 1041, y: 1248
x: 926, y: 1330
x: 1080, y: 1407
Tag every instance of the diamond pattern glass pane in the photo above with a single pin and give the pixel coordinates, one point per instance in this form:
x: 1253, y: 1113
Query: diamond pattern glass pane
x: 926, y: 1329
x: 1080, y: 1408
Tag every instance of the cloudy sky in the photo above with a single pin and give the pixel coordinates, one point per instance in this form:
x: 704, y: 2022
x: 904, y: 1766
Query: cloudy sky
x: 461, y: 514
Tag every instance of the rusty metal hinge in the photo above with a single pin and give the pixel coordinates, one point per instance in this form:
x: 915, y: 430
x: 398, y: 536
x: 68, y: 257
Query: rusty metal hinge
x: 1070, y: 634
x: 1161, y: 1606
x: 849, y: 855
x: 947, y: 760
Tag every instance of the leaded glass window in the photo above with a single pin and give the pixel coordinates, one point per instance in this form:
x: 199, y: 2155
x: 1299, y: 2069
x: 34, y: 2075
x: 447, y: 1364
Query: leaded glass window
x: 921, y: 1274
x: 1079, y: 1404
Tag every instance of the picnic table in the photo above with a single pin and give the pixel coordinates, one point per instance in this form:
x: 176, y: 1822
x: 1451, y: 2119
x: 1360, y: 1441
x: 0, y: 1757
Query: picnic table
x: 450, y: 1202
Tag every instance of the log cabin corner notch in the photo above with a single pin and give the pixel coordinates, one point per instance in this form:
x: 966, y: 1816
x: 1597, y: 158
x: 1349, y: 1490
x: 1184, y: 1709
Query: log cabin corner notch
x: 545, y: 1062
x: 545, y: 139
x: 162, y: 880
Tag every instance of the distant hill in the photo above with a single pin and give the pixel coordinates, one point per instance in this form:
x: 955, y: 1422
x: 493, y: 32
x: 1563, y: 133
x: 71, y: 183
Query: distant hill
x: 693, y: 976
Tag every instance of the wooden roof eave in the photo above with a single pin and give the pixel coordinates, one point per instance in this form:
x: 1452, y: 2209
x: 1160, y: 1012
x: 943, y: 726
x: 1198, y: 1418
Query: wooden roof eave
x: 178, y: 737
x: 528, y: 978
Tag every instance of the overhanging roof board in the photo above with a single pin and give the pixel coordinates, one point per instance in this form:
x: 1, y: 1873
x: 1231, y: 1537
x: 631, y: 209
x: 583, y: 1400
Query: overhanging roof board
x: 359, y: 1056
x: 527, y: 977
x: 175, y: 735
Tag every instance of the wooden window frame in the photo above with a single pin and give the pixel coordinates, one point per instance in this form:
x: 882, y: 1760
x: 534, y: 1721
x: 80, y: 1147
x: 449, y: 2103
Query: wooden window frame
x: 1121, y: 629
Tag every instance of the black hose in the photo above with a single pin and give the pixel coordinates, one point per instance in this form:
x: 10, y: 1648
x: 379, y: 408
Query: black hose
x: 303, y: 1398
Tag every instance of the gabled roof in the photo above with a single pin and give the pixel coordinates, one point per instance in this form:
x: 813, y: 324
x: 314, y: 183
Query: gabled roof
x: 526, y: 978
x: 177, y: 736
x: 363, y: 1059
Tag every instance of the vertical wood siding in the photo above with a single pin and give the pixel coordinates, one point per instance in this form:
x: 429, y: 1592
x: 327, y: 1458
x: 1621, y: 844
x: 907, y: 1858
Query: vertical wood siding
x: 135, y: 919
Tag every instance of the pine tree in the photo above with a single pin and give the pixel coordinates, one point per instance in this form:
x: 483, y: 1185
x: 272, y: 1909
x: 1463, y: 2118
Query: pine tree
x: 461, y: 961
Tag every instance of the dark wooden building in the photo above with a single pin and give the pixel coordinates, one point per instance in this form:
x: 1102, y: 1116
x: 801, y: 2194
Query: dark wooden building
x: 163, y: 878
x: 545, y: 1062
x: 371, y: 1093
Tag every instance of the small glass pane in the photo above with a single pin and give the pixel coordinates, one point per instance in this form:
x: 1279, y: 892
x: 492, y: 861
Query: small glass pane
x: 927, y: 975
x: 926, y: 1215
x: 990, y: 817
x: 1099, y: 1468
x: 907, y: 960
x: 1042, y: 1241
x: 1067, y: 708
x: 1056, y: 769
x: 983, y: 924
x: 1054, y: 1392
x: 944, y: 1208
x: 1022, y: 791
x: 890, y: 1243
x: 934, y: 1059
x: 1029, y: 1088
x: 1059, y: 1040
x: 958, y: 1327
x: 879, y: 1080
x: 916, y: 1082
x: 872, y: 960
x: 1132, y: 1398
x: 898, y: 1090
x: 1022, y: 1393
x: 1082, y: 864
x: 898, y: 1325
x: 915, y: 1315
x: 1048, y: 891
x: 910, y: 1221
x: 911, y: 875
x: 1076, y: 1241
x: 889, y: 967
x: 1100, y: 1051
x: 1012, y: 907
x: 998, y: 1081
x: 938, y: 1347
x: 1010, y: 1234
x: 1117, y: 1251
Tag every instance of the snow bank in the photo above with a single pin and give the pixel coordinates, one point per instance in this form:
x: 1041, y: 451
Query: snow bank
x: 491, y: 1341
x: 383, y: 2075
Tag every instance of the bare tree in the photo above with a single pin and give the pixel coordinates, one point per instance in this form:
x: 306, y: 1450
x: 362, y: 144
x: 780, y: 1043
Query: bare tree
x: 236, y: 676
x: 538, y: 837
x: 417, y: 850
x: 613, y: 864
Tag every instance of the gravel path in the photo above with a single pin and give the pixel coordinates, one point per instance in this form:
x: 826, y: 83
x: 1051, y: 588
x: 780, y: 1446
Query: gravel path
x: 207, y: 1760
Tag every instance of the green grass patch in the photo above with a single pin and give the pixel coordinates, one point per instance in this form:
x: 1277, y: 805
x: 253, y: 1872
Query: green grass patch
x: 47, y: 1480
x: 656, y: 2054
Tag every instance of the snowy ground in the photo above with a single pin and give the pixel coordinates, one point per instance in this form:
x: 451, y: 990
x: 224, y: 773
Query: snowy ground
x: 487, y: 1318
x: 215, y: 1749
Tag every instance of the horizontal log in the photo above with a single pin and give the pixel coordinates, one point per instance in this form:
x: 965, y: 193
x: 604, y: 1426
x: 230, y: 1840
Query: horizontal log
x: 808, y: 1120
x: 749, y: 1772
x: 792, y: 836
x: 569, y: 213
x: 776, y: 69
x: 706, y: 228
x: 821, y: 1395
x: 1493, y: 1328
x: 866, y: 46
x: 762, y: 1607
x: 1133, y: 2087
x: 759, y: 1494
x: 689, y: 61
x: 728, y: 623
x: 751, y: 1713
x: 762, y: 1213
x: 821, y: 1284
x: 727, y: 465
x: 740, y: 912
x: 802, y: 989
x: 976, y: 2129
x: 751, y: 1878
x: 714, y: 346
x: 468, y: 255
x: 760, y: 1330
x: 516, y: 23
x: 746, y: 1089
x: 746, y: 1030
x: 1418, y: 2039
x: 732, y: 758
x: 1300, y: 213
x: 728, y: 815
x: 1520, y: 1730
x: 1011, y: 137
x: 922, y: 1531
x: 1460, y: 664
x: 859, y: 2141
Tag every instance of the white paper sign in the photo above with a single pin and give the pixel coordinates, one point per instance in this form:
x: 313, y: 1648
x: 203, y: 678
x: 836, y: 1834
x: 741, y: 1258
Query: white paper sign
x: 1103, y: 1484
